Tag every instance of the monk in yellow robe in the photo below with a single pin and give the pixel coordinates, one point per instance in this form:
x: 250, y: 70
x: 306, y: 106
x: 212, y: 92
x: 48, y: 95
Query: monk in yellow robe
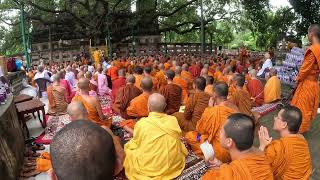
x: 155, y: 151
x: 210, y: 123
x: 147, y: 73
x: 289, y: 156
x: 306, y: 96
x: 195, y: 106
x: 241, y: 97
x: 272, y: 89
x: 57, y: 97
x: 173, y: 94
x: 138, y: 107
x: 124, y: 96
x: 249, y: 163
x: 183, y: 83
x: 91, y: 103
x: 96, y: 57
x: 138, y: 71
x: 161, y: 77
x: 209, y: 85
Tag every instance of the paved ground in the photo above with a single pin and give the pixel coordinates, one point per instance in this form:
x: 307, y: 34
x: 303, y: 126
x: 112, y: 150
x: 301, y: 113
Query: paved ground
x: 313, y: 138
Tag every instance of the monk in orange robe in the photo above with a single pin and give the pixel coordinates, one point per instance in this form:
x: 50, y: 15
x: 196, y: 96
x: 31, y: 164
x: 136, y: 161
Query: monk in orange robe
x: 130, y: 67
x: 218, y: 75
x: 195, y: 106
x: 113, y: 71
x: 178, y: 80
x: 237, y: 136
x: 147, y: 71
x: 138, y: 107
x: 167, y: 65
x: 161, y: 77
x: 57, y: 97
x: 209, y: 86
x: 118, y: 83
x: 272, y: 89
x: 138, y: 71
x: 195, y: 69
x: 172, y: 93
x: 91, y: 103
x: 289, y: 156
x: 185, y: 74
x: 306, y: 96
x: 124, y: 96
x: 256, y: 89
x: 240, y: 97
x: 210, y: 123
x: 154, y: 71
x: 31, y: 75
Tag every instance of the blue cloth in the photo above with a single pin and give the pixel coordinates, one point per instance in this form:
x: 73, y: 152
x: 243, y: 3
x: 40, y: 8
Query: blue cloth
x: 18, y: 64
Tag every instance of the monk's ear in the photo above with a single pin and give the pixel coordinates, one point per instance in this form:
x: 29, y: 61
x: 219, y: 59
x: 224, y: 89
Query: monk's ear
x: 284, y: 124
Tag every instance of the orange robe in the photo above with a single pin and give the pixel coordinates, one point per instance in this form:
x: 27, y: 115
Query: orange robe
x: 272, y: 90
x: 252, y: 167
x: 209, y: 127
x: 138, y: 80
x: 195, y: 106
x: 57, y: 100
x: 241, y: 98
x: 184, y: 85
x: 306, y: 97
x: 113, y: 72
x: 138, y: 107
x: 166, y: 66
x: 218, y: 76
x: 289, y: 158
x: 161, y: 78
x: 92, y: 112
x: 123, y: 98
x: 195, y: 70
x: 209, y: 89
x: 173, y: 95
x: 255, y: 88
x: 188, y: 77
x: 31, y: 75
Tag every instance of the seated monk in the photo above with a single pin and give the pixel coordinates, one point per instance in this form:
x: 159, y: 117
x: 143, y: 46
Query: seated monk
x: 172, y: 93
x: 161, y: 77
x: 241, y: 97
x: 195, y: 106
x: 195, y: 69
x: 210, y: 123
x: 272, y: 89
x: 255, y: 88
x: 118, y: 83
x: 102, y: 82
x: 138, y: 71
x: 185, y: 74
x: 93, y: 84
x: 155, y: 151
x: 99, y: 154
x: 209, y: 85
x: 91, y: 103
x: 204, y: 72
x: 290, y: 155
x: 183, y: 83
x: 237, y: 135
x: 57, y: 97
x: 65, y: 84
x: 138, y: 107
x: 113, y: 71
x: 124, y: 96
x: 147, y: 73
x: 218, y: 75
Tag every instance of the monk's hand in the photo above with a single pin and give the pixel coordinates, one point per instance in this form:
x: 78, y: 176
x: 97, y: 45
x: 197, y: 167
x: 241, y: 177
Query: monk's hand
x: 264, y: 138
x: 214, y: 163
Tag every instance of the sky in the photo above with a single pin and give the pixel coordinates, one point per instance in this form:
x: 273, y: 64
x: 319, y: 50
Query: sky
x: 279, y: 3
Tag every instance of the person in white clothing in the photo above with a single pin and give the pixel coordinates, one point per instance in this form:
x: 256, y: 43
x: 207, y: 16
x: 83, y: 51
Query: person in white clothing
x: 266, y: 65
x: 41, y: 73
x: 70, y: 77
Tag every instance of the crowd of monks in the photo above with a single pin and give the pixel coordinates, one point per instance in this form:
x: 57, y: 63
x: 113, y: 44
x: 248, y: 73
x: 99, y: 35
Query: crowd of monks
x: 163, y: 99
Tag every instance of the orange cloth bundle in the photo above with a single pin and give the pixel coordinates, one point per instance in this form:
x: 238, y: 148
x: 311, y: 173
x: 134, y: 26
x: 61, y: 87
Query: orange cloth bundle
x: 129, y: 123
x: 44, y: 162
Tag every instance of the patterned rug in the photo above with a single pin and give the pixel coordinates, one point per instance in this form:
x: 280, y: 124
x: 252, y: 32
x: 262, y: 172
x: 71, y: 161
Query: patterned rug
x: 266, y: 108
x: 106, y: 104
x: 54, y: 124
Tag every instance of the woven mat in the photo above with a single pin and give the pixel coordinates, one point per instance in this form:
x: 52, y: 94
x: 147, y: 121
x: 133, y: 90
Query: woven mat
x: 266, y: 108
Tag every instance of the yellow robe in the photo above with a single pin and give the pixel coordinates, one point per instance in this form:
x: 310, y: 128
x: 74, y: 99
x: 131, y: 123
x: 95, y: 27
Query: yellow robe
x: 156, y: 155
x: 272, y: 90
x: 289, y: 158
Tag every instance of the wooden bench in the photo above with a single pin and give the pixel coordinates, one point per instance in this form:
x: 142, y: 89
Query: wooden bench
x: 22, y: 98
x: 31, y: 106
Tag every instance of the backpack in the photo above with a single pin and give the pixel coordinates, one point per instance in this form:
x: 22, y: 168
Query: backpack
x: 11, y: 65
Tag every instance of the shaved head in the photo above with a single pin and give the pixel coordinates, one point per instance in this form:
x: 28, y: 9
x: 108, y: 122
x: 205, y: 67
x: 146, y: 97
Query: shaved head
x: 221, y: 89
x: 273, y: 72
x: 185, y: 67
x: 200, y: 83
x: 170, y: 74
x: 83, y: 150
x: 121, y: 72
x: 131, y: 79
x: 210, y: 80
x: 178, y: 69
x: 156, y: 103
x: 161, y: 66
x: 146, y: 84
x: 253, y: 73
x: 314, y: 30
x: 239, y: 79
x: 77, y: 111
x: 83, y: 84
x: 147, y: 70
